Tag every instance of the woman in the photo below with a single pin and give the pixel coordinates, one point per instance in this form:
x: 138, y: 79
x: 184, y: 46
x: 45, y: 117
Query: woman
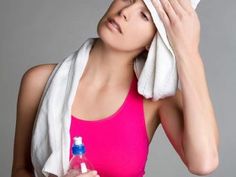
x: 187, y: 118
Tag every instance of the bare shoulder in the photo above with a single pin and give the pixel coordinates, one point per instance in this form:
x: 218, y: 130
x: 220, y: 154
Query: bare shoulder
x: 38, y: 74
x: 36, y: 77
x: 32, y: 85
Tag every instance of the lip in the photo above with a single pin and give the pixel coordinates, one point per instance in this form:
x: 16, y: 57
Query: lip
x: 114, y: 23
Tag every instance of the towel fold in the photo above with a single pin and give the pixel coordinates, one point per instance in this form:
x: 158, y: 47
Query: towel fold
x: 51, y: 138
x: 157, y: 78
x: 158, y: 75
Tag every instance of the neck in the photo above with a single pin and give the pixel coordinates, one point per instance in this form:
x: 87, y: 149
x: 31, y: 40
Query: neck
x: 107, y: 66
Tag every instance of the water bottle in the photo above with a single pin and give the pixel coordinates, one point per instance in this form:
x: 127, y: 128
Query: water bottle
x: 79, y: 163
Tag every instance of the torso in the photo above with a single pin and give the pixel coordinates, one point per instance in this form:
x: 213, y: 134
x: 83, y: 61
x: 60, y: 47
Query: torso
x: 97, y: 104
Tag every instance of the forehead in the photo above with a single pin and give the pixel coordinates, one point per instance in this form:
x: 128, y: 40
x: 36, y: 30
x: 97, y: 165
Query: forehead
x: 139, y: 1
x: 144, y: 7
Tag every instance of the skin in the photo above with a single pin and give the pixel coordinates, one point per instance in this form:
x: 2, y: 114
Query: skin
x: 196, y: 139
x: 188, y: 117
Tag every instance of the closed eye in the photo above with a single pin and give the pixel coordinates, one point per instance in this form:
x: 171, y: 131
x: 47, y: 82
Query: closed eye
x: 144, y: 16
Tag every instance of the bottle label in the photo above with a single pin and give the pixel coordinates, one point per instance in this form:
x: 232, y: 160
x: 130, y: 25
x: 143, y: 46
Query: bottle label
x: 83, y: 168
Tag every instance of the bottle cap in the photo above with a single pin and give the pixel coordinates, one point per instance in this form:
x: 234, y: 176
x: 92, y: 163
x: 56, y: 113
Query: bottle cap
x: 77, y: 140
x: 78, y: 147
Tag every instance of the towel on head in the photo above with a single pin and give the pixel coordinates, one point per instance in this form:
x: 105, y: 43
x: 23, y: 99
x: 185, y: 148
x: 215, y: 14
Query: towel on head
x: 158, y: 76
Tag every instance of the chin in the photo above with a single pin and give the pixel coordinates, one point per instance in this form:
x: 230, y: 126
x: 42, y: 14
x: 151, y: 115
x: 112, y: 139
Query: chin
x: 109, y: 39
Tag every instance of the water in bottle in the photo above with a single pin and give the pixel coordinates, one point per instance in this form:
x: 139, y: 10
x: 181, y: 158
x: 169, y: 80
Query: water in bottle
x: 79, y: 163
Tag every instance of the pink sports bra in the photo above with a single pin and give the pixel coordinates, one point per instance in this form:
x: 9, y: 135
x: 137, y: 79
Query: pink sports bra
x: 116, y: 145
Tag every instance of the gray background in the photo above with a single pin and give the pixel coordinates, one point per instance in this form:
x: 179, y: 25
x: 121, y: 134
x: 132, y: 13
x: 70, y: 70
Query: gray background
x: 33, y: 32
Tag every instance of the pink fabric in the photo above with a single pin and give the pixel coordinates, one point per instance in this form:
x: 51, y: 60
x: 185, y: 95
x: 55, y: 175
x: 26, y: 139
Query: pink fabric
x: 116, y: 145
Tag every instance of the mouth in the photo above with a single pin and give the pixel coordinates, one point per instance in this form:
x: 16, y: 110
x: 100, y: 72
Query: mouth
x: 115, y: 24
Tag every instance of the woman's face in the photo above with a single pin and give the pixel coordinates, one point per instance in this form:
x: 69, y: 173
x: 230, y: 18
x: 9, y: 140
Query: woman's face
x: 136, y: 24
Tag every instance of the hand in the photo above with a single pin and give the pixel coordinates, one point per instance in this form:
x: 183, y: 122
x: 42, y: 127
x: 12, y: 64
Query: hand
x: 92, y: 173
x: 182, y: 25
x: 89, y: 174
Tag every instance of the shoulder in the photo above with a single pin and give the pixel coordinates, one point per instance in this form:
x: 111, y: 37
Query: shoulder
x: 38, y: 75
x: 33, y: 82
x: 39, y: 72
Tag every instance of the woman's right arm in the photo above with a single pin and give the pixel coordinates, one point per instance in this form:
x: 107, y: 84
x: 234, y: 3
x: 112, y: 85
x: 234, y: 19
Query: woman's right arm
x: 30, y: 92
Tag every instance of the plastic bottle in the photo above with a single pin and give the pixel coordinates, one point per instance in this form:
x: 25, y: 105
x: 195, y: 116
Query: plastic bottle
x: 79, y: 163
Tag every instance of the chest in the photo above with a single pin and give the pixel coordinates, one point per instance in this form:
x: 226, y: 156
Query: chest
x: 101, y: 104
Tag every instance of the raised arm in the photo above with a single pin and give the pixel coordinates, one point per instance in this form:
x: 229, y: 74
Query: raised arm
x: 189, y: 122
x: 188, y: 118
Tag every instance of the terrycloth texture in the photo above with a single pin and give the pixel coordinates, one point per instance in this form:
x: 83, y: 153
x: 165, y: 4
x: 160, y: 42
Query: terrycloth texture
x: 51, y: 137
x: 159, y: 77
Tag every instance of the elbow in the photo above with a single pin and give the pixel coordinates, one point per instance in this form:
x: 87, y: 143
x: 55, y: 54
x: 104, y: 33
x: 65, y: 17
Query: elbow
x: 206, y: 167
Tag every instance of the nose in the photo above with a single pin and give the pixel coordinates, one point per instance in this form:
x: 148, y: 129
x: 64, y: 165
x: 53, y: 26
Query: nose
x: 126, y: 11
x: 123, y: 13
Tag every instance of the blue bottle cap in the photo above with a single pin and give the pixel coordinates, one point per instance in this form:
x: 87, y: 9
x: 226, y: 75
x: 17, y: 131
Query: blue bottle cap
x: 78, y: 149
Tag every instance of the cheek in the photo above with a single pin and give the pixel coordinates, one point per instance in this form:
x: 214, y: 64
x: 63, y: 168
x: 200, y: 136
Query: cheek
x: 140, y: 34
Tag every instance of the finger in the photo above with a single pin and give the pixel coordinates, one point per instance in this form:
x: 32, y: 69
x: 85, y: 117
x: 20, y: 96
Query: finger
x: 186, y: 4
x: 177, y: 7
x: 169, y: 9
x: 162, y: 14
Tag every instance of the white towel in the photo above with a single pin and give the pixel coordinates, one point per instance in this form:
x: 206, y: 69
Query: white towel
x: 51, y: 138
x: 158, y: 75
